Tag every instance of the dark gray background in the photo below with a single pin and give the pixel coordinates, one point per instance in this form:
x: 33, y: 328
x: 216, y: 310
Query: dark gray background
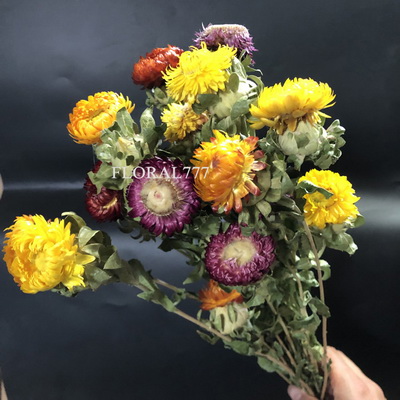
x: 109, y: 344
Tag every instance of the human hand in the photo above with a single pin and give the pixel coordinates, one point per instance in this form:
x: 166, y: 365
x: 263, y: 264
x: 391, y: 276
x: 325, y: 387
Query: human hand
x: 347, y: 381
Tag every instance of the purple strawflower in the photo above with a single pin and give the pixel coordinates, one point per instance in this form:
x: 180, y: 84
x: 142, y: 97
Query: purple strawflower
x: 229, y: 34
x: 235, y: 259
x: 162, y: 195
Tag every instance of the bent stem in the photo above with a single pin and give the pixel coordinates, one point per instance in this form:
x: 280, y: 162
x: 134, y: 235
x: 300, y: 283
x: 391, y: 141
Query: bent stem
x: 188, y: 317
x: 201, y: 325
x: 322, y: 297
x: 175, y: 289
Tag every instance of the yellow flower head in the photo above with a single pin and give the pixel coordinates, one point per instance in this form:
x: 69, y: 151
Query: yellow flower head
x: 319, y: 210
x: 282, y: 106
x: 41, y: 254
x: 225, y: 169
x: 89, y: 117
x: 199, y: 71
x: 181, y: 120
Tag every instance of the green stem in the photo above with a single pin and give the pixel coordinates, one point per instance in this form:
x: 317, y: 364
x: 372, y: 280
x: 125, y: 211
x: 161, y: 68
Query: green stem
x: 175, y: 289
x: 281, y: 364
x: 284, y: 327
x: 322, y: 297
x: 201, y: 325
x: 287, y: 333
x: 291, y: 343
x: 288, y: 370
x: 307, y: 353
x: 288, y: 353
x: 188, y: 317
x: 301, y: 292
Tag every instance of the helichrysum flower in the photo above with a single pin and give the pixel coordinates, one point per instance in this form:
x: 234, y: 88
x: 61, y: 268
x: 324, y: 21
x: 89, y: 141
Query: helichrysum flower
x: 105, y: 205
x: 214, y: 296
x: 225, y: 170
x: 199, y: 71
x: 336, y: 209
x: 283, y: 106
x: 234, y: 259
x: 148, y: 70
x: 232, y: 35
x: 162, y: 195
x: 89, y: 117
x: 181, y: 120
x: 42, y: 254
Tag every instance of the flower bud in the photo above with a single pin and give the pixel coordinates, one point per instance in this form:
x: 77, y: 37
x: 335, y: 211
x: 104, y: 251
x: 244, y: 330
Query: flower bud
x: 305, y: 141
x: 229, y: 318
x: 228, y: 98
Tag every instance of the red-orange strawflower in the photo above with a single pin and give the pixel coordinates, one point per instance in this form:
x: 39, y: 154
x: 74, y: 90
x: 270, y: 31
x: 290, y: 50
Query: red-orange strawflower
x: 213, y: 296
x: 224, y: 170
x: 148, y: 70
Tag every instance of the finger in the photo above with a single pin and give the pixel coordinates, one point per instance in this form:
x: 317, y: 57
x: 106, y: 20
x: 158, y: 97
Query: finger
x: 342, y: 378
x: 297, y: 394
x: 340, y: 361
x: 371, y: 387
x: 350, y: 364
x: 348, y: 381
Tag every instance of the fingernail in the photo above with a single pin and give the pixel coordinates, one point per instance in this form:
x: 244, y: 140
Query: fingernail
x: 295, y: 393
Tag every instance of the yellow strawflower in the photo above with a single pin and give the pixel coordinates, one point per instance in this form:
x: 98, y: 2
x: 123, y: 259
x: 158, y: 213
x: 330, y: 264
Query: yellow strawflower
x: 181, y: 120
x: 283, y: 106
x: 225, y: 170
x: 319, y: 210
x: 41, y: 254
x: 199, y: 71
x: 89, y: 117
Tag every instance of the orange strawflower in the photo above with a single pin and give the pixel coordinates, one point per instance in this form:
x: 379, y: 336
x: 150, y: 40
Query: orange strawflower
x: 225, y: 169
x: 213, y: 296
x: 89, y: 117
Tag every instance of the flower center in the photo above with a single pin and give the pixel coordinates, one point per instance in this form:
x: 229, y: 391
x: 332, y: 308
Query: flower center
x: 111, y: 203
x: 215, y: 162
x: 191, y: 68
x: 227, y: 28
x: 242, y: 250
x: 159, y: 196
x: 319, y: 200
x: 93, y: 114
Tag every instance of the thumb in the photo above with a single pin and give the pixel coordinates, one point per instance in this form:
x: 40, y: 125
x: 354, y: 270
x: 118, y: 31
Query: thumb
x: 297, y: 394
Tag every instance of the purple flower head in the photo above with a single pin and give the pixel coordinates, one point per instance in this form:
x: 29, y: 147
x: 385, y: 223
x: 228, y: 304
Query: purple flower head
x: 228, y: 34
x: 162, y: 195
x: 234, y: 259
